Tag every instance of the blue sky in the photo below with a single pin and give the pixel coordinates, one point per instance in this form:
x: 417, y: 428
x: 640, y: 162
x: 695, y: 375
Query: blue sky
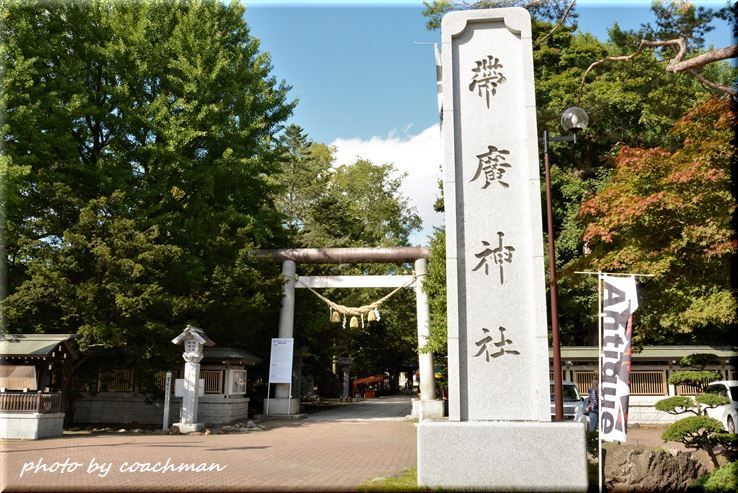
x: 364, y: 74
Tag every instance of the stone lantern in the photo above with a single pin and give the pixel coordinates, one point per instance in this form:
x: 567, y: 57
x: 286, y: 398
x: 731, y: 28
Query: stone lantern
x: 345, y: 364
x: 193, y: 339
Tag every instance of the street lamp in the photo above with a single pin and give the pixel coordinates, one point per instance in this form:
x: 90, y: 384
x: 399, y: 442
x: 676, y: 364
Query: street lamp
x: 573, y: 120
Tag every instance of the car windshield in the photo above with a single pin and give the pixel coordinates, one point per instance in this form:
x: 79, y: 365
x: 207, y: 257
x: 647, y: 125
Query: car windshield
x: 720, y: 389
x: 717, y: 389
x: 570, y: 393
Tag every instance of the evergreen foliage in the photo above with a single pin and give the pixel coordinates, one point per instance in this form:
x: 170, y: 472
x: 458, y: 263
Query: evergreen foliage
x: 722, y: 480
x: 698, y: 431
x: 695, y: 432
x: 693, y: 377
x: 435, y: 288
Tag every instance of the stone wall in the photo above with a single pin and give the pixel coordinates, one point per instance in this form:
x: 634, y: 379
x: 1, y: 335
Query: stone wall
x: 112, y: 407
x: 31, y: 426
x: 642, y: 409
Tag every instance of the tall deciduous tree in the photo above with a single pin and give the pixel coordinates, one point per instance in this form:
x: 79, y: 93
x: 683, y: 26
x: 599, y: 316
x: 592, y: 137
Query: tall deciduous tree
x: 668, y: 213
x: 141, y: 141
x: 362, y: 205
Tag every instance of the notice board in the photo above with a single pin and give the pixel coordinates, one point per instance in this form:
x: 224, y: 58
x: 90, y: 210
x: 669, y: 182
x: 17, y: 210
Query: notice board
x: 280, y: 360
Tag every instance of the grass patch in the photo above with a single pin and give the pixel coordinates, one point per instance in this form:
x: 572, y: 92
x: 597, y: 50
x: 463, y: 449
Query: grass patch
x: 407, y: 480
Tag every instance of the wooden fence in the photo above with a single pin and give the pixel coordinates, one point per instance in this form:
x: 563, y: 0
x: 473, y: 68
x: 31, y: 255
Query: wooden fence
x: 583, y: 380
x: 115, y: 381
x: 122, y: 380
x: 213, y: 381
x: 31, y: 402
x: 648, y: 382
x: 642, y: 382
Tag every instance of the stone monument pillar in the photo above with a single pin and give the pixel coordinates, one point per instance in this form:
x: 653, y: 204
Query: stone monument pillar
x: 426, y: 406
x: 193, y: 340
x: 499, y: 435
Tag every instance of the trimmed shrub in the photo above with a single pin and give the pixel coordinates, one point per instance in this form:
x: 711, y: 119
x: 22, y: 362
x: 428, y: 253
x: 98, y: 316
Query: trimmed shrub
x: 691, y: 377
x: 671, y: 404
x: 722, y: 480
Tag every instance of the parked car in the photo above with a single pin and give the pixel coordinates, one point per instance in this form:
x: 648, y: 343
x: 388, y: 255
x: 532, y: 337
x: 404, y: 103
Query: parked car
x: 727, y: 414
x: 571, y: 397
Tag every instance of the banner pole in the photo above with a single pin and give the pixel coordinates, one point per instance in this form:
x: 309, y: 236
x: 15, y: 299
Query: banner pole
x: 600, y: 461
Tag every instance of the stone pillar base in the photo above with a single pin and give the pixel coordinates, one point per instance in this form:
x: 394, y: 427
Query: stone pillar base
x: 502, y: 455
x: 31, y: 426
x: 190, y: 427
x: 280, y: 406
x: 429, y: 409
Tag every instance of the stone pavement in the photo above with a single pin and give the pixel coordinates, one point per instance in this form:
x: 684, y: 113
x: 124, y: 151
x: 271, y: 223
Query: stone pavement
x: 338, y: 449
x: 309, y: 455
x: 382, y: 408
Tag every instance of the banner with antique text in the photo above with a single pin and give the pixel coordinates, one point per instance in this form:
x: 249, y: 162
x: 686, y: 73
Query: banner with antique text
x: 619, y: 301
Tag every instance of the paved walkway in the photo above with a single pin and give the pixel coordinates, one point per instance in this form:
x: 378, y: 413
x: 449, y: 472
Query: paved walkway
x: 338, y: 449
x: 389, y: 408
x: 358, y: 443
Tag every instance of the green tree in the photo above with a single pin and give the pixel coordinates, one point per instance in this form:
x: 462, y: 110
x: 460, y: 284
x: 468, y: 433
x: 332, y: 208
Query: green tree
x: 362, y: 205
x: 680, y: 19
x: 548, y: 10
x: 435, y: 288
x: 359, y: 205
x: 142, y: 139
x: 304, y: 175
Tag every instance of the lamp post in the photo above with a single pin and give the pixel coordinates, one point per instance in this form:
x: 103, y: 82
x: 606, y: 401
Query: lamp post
x: 573, y: 120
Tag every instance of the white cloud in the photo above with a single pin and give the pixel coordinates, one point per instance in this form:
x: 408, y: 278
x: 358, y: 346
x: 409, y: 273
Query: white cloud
x: 420, y: 156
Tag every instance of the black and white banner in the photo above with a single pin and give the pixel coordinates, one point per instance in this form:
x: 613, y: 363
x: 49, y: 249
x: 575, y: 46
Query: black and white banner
x: 619, y: 301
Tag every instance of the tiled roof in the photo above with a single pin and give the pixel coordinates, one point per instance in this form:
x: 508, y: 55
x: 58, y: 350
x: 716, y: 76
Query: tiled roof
x: 33, y: 345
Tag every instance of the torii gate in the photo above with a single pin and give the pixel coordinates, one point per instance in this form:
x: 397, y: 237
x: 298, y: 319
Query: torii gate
x: 425, y: 407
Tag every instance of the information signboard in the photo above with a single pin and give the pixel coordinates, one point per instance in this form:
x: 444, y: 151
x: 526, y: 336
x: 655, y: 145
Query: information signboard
x: 280, y: 360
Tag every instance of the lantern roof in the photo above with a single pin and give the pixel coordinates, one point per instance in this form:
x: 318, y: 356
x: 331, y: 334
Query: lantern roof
x: 196, y: 333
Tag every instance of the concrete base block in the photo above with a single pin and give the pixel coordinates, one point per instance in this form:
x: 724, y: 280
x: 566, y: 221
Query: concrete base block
x: 502, y: 455
x: 280, y: 406
x: 190, y: 427
x: 31, y: 426
x: 428, y: 409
